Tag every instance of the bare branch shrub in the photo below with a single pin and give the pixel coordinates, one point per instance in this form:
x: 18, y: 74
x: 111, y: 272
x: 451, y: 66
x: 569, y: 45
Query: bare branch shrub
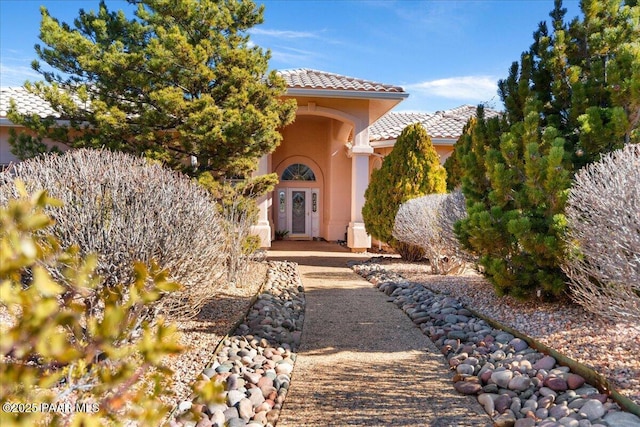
x: 428, y: 222
x: 603, y: 237
x: 239, y: 214
x: 126, y: 209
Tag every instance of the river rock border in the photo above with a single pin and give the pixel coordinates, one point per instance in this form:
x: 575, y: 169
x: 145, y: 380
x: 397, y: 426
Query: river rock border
x: 254, y: 365
x: 517, y: 385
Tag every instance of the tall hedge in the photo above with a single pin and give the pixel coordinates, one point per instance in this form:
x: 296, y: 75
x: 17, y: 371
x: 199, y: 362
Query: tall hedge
x: 411, y: 170
x: 573, y: 96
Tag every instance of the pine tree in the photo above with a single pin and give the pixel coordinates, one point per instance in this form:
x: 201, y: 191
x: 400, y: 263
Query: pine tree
x: 572, y: 97
x: 412, y: 169
x: 179, y: 82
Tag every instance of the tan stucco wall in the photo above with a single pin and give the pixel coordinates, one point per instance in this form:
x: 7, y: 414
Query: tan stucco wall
x: 318, y: 143
x: 444, y: 151
x: 339, y: 194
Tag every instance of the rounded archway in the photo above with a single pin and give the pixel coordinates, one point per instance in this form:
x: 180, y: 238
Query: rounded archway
x: 297, y: 198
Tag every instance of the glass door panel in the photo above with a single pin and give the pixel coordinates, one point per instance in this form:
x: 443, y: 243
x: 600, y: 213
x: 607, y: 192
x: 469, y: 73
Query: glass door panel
x: 298, y: 212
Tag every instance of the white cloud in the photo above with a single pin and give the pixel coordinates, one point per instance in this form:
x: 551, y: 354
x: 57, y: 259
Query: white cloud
x: 283, y: 34
x: 468, y: 88
x: 295, y: 57
x: 16, y: 75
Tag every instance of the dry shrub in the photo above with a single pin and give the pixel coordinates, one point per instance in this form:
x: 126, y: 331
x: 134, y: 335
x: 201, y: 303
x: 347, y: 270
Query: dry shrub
x: 54, y: 353
x: 239, y: 214
x: 603, y: 237
x: 427, y: 222
x: 409, y: 252
x: 126, y: 209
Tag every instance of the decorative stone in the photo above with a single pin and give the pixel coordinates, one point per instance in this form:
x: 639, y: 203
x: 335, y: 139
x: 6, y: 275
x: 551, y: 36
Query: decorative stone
x: 546, y: 401
x: 575, y: 381
x: 465, y: 369
x: 184, y: 406
x: 245, y: 409
x: 556, y: 383
x: 466, y: 387
x: 502, y: 403
x: 559, y: 411
x: 622, y: 419
x: 525, y: 422
x: 592, y: 410
x: 547, y: 363
x: 205, y: 422
x: 518, y: 344
x: 487, y: 401
x: 457, y: 335
x: 217, y: 418
x: 502, y: 378
x: 504, y: 420
x: 519, y: 383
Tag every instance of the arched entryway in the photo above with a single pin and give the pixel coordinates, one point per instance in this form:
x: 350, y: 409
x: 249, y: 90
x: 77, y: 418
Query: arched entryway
x: 297, y: 199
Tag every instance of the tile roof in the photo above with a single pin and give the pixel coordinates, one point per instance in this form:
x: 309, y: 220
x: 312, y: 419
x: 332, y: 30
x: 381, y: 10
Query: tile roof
x: 304, y: 78
x: 26, y: 102
x: 301, y: 78
x: 441, y: 124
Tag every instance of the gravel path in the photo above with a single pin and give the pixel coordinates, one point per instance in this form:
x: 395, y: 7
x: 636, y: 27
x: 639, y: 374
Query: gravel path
x: 362, y: 362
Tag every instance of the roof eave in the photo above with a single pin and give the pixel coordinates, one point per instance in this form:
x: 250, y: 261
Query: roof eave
x: 387, y: 143
x: 345, y: 94
x: 5, y: 122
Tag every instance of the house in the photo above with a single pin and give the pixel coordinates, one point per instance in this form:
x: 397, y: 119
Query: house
x: 343, y: 129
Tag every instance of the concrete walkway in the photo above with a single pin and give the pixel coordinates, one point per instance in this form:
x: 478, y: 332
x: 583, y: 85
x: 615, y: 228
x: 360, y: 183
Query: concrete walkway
x: 362, y: 361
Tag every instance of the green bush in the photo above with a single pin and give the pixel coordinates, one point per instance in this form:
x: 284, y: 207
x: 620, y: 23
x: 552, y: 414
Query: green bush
x: 571, y: 98
x: 126, y: 209
x: 56, y: 352
x: 412, y: 169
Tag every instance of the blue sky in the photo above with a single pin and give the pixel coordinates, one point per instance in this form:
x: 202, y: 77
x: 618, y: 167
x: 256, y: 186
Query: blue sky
x: 445, y: 53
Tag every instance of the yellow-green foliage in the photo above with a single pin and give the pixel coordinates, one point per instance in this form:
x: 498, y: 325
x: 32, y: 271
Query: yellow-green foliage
x: 56, y: 351
x: 411, y: 170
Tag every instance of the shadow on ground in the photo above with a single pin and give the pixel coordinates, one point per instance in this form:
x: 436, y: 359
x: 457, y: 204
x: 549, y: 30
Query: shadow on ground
x: 362, y: 361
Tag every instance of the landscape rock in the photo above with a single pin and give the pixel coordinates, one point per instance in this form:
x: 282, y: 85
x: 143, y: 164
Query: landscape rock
x: 520, y: 386
x: 255, y: 364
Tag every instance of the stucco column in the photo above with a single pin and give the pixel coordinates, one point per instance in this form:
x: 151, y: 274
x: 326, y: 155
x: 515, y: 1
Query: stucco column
x: 262, y: 228
x: 357, y: 238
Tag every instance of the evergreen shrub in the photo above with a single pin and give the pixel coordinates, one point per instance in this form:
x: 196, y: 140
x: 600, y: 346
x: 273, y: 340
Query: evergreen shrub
x: 603, y: 238
x: 126, y: 209
x: 412, y: 169
x: 571, y: 98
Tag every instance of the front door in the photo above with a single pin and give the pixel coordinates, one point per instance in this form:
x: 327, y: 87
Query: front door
x: 299, y: 215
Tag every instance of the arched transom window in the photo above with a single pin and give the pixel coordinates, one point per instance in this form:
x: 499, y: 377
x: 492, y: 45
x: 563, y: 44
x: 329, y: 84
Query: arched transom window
x: 298, y: 172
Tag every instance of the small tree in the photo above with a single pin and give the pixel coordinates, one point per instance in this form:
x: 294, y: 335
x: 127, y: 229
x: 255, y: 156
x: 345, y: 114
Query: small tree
x: 603, y: 239
x: 572, y: 97
x: 179, y: 82
x: 412, y: 169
